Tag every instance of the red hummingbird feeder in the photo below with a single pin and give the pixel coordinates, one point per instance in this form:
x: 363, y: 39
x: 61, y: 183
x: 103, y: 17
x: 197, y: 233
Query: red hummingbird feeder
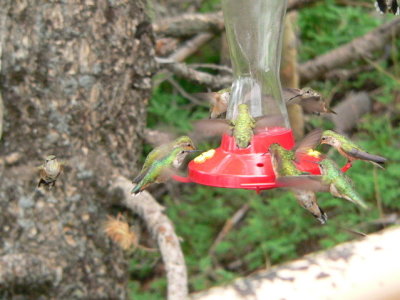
x: 254, y: 31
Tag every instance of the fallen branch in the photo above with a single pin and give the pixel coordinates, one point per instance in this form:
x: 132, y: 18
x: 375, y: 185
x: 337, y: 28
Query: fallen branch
x: 350, y: 110
x: 28, y: 271
x: 356, y: 49
x: 214, y: 82
x: 190, y: 47
x: 338, y: 273
x: 191, y: 24
x: 163, y: 232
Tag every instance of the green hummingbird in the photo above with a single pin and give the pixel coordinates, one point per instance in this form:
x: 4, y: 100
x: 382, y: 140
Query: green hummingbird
x: 386, y: 6
x: 310, y: 100
x: 332, y: 180
x: 49, y: 171
x: 284, y: 164
x: 241, y: 128
x: 184, y: 141
x: 349, y: 149
x: 161, y: 169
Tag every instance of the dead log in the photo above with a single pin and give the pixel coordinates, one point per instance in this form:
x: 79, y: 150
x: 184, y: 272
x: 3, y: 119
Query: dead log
x: 367, y: 269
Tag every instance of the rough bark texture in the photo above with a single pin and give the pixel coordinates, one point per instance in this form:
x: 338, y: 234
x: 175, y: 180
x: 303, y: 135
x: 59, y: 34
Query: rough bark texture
x: 75, y: 80
x: 366, y: 269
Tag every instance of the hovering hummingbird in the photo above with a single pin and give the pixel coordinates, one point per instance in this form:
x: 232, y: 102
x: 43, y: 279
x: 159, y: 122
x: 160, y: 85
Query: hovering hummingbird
x: 309, y: 99
x: 49, y: 171
x: 332, y: 180
x: 387, y: 6
x: 349, y: 149
x: 184, y: 142
x: 283, y: 163
x: 240, y: 128
x: 218, y: 101
x: 160, y: 169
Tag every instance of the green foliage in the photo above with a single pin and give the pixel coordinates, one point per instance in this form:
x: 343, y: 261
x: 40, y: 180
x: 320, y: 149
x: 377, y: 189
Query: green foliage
x: 276, y: 229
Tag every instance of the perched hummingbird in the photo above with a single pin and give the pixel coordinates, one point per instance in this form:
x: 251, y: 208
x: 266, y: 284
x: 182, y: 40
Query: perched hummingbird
x: 283, y: 163
x: 332, y: 180
x: 349, y: 149
x: 387, y: 6
x: 184, y: 142
x: 309, y: 99
x: 218, y: 101
x: 160, y: 169
x: 243, y: 126
x: 49, y: 171
x: 240, y: 128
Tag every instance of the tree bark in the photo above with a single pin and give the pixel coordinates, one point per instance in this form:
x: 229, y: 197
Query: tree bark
x: 75, y: 80
x: 366, y: 269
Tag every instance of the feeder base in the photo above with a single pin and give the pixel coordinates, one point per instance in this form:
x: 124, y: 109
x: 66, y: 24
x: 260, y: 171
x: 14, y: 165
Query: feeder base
x: 249, y: 168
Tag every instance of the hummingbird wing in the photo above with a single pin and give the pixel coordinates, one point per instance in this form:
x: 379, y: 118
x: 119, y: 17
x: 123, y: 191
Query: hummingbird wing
x: 304, y: 182
x: 359, y: 154
x: 310, y: 141
x: 313, y: 105
x: 208, y: 128
x: 291, y: 95
x: 268, y: 121
x: 218, y: 104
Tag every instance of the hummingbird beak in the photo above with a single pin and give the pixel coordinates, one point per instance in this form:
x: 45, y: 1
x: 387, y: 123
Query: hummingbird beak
x: 313, y: 161
x: 191, y: 151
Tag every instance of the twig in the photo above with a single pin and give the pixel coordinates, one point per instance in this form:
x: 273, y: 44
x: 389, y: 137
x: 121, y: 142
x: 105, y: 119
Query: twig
x: 191, y: 24
x: 163, y: 232
x: 211, y: 66
x: 190, y: 47
x: 28, y: 270
x: 212, y: 81
x: 229, y: 224
x: 354, y: 50
x: 184, y: 94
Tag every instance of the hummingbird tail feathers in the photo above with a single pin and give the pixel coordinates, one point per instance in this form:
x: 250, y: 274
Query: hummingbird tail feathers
x: 367, y: 156
x: 330, y: 110
x: 136, y: 189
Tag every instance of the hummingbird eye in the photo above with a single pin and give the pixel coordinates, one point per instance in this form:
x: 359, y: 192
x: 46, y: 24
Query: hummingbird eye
x: 188, y: 144
x: 323, y: 138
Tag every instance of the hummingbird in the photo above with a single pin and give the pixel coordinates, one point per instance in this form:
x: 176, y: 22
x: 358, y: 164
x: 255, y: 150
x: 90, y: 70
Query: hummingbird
x: 240, y: 128
x: 349, y: 149
x: 218, y: 101
x: 49, y: 171
x: 184, y: 141
x: 310, y: 100
x: 283, y: 163
x: 332, y: 180
x: 161, y: 169
x: 387, y: 6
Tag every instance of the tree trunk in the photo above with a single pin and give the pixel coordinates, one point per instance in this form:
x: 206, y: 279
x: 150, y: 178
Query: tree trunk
x: 75, y: 79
